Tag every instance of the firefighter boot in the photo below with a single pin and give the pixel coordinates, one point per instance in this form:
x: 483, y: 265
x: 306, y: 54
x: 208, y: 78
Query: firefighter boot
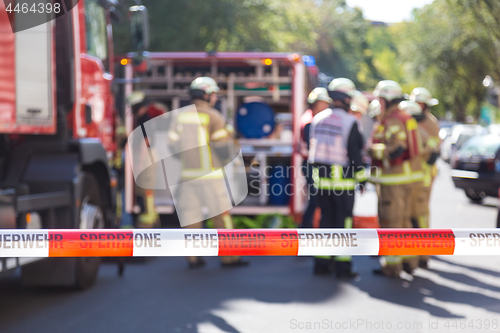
x: 344, y: 270
x: 323, y: 265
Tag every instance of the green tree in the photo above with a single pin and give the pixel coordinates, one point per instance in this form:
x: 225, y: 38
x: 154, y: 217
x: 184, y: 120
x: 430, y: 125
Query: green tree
x: 223, y: 25
x: 443, y: 53
x: 328, y: 29
x: 482, y: 17
x: 383, y: 45
x: 342, y: 46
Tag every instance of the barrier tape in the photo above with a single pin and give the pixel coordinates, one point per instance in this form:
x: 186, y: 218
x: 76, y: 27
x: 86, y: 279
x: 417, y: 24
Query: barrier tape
x: 246, y: 242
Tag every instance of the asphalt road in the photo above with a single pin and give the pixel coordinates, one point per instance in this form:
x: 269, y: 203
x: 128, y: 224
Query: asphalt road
x: 277, y: 294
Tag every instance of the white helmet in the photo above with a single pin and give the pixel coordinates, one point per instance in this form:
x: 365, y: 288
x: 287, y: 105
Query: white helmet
x: 318, y: 94
x: 136, y: 97
x: 412, y: 108
x: 374, y: 109
x: 359, y: 102
x: 422, y: 95
x: 388, y: 90
x: 204, y: 83
x: 342, y: 85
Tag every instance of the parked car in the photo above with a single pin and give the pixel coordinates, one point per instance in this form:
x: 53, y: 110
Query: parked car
x: 498, y: 214
x: 494, y: 129
x: 476, y: 167
x: 459, y: 135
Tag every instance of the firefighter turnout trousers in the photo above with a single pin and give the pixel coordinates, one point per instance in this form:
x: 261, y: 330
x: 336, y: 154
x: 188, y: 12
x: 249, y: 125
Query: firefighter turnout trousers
x: 394, y: 212
x: 336, y: 201
x: 197, y: 194
x: 395, y: 151
x: 421, y: 194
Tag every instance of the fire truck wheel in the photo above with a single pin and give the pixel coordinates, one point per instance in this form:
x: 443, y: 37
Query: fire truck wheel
x: 91, y: 217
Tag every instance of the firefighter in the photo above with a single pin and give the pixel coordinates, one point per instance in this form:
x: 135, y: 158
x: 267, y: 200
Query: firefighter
x: 396, y: 167
x: 419, y: 203
x: 335, y: 151
x: 375, y: 113
x: 144, y: 110
x: 429, y: 125
x: 203, y: 161
x: 319, y: 100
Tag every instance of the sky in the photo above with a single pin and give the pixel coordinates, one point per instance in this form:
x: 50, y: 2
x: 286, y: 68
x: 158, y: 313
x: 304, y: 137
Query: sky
x: 387, y: 10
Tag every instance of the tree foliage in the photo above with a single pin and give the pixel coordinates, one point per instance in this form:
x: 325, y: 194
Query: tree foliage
x: 328, y: 29
x: 446, y: 49
x: 449, y: 46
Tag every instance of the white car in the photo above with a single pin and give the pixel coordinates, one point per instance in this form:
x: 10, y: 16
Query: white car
x: 459, y: 135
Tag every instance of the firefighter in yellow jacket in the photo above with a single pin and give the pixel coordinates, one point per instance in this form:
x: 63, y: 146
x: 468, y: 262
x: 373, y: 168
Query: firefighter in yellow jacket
x: 428, y: 127
x: 203, y: 163
x: 396, y: 167
x: 419, y: 201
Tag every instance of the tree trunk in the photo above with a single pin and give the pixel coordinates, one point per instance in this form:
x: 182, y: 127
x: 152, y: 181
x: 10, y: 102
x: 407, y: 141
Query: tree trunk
x: 459, y: 111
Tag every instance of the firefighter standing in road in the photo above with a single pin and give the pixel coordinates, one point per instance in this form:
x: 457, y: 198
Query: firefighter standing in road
x: 335, y: 151
x: 319, y: 101
x: 202, y: 161
x: 428, y: 126
x: 395, y: 152
x: 419, y: 204
x: 144, y: 110
x: 375, y: 113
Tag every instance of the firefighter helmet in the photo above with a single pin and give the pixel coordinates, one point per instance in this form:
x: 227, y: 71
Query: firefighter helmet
x: 342, y: 85
x: 374, y: 109
x: 388, y: 90
x: 359, y: 102
x: 156, y: 109
x: 205, y: 84
x: 136, y: 97
x: 318, y: 94
x: 412, y: 108
x: 422, y: 95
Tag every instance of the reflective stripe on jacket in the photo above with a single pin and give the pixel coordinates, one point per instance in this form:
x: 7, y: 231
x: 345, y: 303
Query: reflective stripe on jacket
x: 397, y: 131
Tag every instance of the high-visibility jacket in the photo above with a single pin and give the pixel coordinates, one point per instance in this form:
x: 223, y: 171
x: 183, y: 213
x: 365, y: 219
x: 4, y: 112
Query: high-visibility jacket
x: 335, y: 150
x: 425, y: 155
x: 433, y: 143
x: 395, y: 149
x: 428, y: 129
x: 200, y: 162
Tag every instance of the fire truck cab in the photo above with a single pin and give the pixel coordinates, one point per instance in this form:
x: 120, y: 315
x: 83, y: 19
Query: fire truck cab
x: 57, y: 131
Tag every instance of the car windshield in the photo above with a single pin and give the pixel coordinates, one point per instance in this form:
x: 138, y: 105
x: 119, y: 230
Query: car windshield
x: 481, y: 145
x: 462, y: 138
x: 470, y: 130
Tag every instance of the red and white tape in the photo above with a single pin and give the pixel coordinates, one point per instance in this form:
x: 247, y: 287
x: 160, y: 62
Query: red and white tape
x: 247, y: 242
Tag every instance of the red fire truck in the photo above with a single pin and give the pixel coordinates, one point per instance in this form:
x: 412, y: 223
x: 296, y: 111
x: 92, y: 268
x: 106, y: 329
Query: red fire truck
x: 57, y: 119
